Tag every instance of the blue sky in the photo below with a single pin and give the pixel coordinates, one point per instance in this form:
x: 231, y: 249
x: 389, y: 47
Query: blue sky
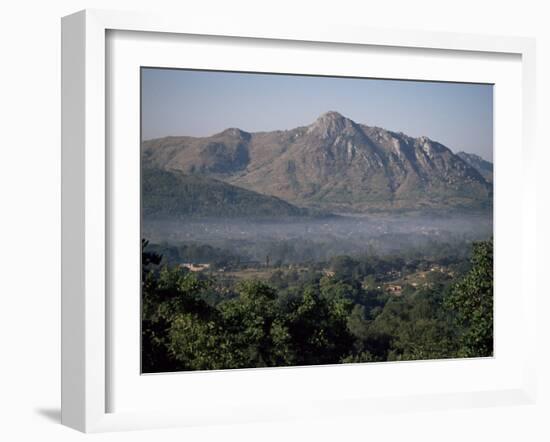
x: 201, y: 103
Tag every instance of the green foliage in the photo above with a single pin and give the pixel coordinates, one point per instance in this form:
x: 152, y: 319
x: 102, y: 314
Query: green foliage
x: 318, y: 328
x: 166, y: 296
x: 472, y: 301
x: 257, y: 333
x: 407, y: 328
x: 197, y: 344
x: 304, y: 318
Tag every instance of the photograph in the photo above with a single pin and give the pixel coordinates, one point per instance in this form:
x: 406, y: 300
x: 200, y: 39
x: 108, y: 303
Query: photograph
x: 292, y: 220
x: 275, y: 221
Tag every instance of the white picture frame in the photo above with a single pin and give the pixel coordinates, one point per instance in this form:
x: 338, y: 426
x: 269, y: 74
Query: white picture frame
x: 86, y: 316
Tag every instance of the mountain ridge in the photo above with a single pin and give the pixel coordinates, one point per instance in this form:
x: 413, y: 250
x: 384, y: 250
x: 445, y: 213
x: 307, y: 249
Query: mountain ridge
x: 484, y: 167
x: 333, y: 164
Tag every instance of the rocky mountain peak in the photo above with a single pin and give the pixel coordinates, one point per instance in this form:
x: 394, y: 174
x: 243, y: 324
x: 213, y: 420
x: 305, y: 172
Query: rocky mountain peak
x: 331, y: 115
x: 235, y: 133
x: 331, y: 124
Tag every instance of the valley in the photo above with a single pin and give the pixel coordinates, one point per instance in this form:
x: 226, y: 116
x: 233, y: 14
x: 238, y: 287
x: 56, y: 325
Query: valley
x: 335, y: 242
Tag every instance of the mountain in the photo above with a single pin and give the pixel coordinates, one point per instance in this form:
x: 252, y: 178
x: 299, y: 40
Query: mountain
x: 173, y: 194
x: 333, y: 164
x: 484, y: 167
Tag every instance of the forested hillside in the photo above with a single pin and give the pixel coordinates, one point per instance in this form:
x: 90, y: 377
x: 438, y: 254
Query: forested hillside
x: 172, y: 194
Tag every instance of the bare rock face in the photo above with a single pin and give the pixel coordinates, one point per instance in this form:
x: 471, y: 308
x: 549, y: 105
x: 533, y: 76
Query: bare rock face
x: 333, y: 164
x: 484, y: 167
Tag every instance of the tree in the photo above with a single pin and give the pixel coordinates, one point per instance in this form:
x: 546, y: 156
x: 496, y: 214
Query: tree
x: 170, y: 297
x: 471, y: 299
x: 318, y: 327
x: 197, y: 343
x: 254, y: 327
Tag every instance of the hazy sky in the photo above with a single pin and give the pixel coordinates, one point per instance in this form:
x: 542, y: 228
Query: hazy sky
x: 200, y: 103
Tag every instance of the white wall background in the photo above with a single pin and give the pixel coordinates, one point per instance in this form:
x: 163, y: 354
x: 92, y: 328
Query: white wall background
x: 30, y: 215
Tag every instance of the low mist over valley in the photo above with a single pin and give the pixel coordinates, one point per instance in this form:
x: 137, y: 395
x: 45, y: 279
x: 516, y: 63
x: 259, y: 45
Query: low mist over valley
x: 318, y: 239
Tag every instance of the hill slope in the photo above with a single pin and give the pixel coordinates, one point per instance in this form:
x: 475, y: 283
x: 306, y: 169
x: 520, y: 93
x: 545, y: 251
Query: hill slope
x: 484, y: 167
x: 172, y: 194
x: 333, y: 164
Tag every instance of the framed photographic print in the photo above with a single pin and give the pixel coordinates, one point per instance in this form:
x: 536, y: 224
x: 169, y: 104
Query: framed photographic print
x: 267, y: 223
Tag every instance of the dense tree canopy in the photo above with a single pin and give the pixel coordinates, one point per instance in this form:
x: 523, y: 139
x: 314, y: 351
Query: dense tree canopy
x: 190, y: 322
x: 472, y: 301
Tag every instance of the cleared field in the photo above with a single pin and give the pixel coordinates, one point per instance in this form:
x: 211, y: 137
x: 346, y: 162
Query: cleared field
x: 244, y: 274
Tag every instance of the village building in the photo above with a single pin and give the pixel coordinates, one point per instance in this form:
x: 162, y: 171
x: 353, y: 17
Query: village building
x: 195, y: 267
x: 394, y: 288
